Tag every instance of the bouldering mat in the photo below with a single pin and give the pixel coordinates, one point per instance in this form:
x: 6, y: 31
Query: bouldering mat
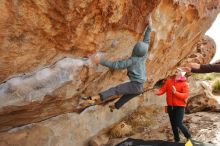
x: 139, y: 142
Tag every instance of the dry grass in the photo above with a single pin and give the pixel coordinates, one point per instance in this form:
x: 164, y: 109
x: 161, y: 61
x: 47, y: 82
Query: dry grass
x: 136, y: 122
x: 209, y: 76
x: 121, y: 130
x: 141, y: 117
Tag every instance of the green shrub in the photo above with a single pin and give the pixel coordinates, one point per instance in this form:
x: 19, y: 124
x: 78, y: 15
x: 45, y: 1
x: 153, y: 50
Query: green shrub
x: 216, y: 75
x: 216, y: 86
x: 209, y: 76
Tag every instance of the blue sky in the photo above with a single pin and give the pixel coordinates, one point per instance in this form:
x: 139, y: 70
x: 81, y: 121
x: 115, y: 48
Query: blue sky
x: 214, y: 32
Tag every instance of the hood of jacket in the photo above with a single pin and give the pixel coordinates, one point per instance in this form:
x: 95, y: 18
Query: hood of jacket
x: 140, y: 49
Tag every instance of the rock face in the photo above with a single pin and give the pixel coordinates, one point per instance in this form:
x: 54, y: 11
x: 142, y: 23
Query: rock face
x: 45, y: 47
x: 207, y: 129
x: 179, y: 25
x: 200, y: 52
x: 35, y: 34
x: 201, y: 97
x: 68, y: 129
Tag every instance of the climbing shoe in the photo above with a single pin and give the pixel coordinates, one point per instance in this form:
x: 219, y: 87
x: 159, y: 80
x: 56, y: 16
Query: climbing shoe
x: 87, y: 101
x: 189, y: 143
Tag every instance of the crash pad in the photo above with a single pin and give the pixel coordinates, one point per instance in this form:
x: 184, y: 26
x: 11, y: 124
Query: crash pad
x: 139, y: 142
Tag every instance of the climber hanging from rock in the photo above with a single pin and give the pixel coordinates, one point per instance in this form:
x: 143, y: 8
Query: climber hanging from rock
x: 136, y: 69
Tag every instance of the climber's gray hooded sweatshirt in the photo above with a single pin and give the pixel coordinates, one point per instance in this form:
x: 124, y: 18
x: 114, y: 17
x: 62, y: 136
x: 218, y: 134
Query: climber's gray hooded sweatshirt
x: 136, y: 63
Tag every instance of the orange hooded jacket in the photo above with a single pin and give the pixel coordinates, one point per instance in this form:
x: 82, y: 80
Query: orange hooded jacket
x: 182, y: 91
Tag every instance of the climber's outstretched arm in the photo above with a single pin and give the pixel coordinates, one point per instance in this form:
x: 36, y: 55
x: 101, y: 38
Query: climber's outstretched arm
x: 147, y: 35
x: 121, y: 64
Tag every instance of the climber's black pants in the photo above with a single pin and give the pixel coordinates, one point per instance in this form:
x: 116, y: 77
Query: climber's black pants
x: 129, y: 90
x: 176, y: 114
